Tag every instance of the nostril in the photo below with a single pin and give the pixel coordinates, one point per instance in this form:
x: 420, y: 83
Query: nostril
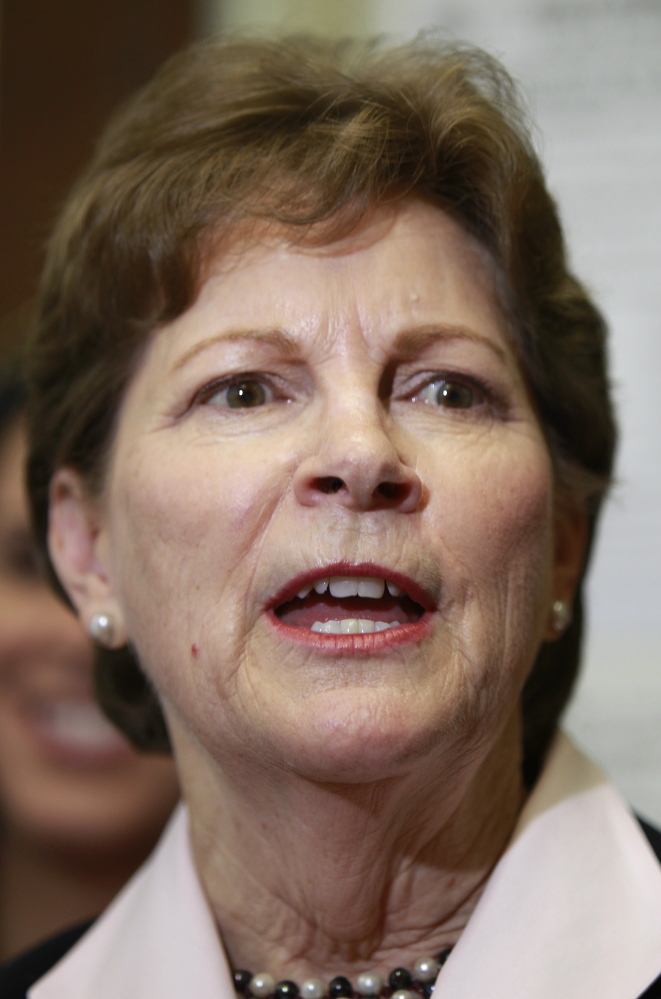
x: 391, y: 490
x: 361, y: 489
x: 329, y: 484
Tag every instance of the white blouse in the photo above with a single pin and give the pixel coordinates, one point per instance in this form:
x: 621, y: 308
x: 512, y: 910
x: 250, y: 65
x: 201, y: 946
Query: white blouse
x: 571, y: 911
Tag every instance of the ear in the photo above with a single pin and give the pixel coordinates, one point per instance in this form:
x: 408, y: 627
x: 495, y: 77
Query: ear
x: 570, y: 547
x: 76, y: 546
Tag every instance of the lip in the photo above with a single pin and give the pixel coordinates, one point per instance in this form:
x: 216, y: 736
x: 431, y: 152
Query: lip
x: 410, y: 587
x: 69, y: 752
x: 404, y: 634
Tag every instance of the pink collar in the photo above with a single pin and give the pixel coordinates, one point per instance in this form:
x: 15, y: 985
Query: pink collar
x: 572, y: 909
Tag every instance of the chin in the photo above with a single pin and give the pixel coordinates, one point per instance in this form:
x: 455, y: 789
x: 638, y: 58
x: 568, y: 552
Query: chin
x: 356, y: 744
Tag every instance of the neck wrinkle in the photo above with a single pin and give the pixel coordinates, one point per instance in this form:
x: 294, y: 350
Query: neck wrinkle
x: 323, y: 881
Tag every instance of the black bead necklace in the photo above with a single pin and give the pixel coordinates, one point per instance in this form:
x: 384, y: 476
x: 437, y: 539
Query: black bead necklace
x: 401, y: 984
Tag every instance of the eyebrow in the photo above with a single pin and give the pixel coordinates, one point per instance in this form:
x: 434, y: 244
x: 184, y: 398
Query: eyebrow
x: 410, y: 343
x: 270, y: 337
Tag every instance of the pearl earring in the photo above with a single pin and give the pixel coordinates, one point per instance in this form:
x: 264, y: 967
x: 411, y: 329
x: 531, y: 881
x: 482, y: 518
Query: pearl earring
x: 560, y: 616
x: 102, y: 629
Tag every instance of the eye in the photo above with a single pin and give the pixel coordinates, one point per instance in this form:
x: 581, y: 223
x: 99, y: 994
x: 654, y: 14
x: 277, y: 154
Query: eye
x: 244, y: 393
x: 448, y: 394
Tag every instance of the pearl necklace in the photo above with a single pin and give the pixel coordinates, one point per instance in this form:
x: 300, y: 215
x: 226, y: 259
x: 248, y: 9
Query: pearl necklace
x: 402, y: 984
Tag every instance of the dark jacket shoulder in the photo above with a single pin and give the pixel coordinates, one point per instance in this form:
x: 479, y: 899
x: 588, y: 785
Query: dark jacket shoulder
x: 653, y: 835
x: 23, y: 971
x: 654, y: 839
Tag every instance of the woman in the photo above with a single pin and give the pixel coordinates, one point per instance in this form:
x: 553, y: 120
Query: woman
x: 328, y: 431
x: 79, y: 809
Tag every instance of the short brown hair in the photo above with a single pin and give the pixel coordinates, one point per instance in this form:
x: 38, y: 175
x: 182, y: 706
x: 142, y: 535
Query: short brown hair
x: 301, y: 132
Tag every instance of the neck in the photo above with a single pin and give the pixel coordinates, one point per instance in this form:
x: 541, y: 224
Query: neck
x: 310, y: 879
x: 45, y: 889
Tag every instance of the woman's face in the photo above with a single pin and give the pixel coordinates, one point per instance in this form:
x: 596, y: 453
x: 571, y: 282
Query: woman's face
x: 67, y: 778
x: 354, y: 411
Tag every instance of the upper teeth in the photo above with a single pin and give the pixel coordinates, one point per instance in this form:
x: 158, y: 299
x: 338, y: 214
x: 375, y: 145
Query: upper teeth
x: 352, y: 586
x: 80, y: 726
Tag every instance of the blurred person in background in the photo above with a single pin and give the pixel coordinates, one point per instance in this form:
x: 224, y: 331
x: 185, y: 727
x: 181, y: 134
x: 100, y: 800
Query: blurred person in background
x: 80, y: 809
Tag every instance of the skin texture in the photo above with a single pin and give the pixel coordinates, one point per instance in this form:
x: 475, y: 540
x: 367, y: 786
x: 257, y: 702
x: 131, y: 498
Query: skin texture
x: 76, y: 815
x: 348, y: 799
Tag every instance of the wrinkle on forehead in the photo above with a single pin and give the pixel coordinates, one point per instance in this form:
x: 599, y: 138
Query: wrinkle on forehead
x: 256, y: 242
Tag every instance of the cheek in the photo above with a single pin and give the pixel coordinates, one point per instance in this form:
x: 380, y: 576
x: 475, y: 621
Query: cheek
x: 494, y: 515
x: 517, y: 513
x: 186, y: 529
x: 495, y: 519
x: 500, y: 498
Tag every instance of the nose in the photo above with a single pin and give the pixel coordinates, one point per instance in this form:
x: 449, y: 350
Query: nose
x: 357, y: 465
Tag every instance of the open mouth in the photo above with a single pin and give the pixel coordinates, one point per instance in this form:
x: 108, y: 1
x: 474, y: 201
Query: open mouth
x: 350, y: 605
x: 74, y: 731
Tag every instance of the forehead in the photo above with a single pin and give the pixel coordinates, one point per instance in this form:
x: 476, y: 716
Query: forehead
x: 407, y: 263
x: 414, y: 236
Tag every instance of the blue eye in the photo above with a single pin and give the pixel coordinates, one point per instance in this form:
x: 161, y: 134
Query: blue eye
x: 448, y: 394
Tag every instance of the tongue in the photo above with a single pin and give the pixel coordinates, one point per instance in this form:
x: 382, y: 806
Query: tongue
x: 304, y: 613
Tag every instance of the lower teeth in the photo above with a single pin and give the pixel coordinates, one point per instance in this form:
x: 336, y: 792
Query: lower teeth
x: 352, y: 626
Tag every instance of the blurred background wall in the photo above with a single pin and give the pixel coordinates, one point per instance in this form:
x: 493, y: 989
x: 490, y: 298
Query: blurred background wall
x: 592, y: 73
x: 64, y: 66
